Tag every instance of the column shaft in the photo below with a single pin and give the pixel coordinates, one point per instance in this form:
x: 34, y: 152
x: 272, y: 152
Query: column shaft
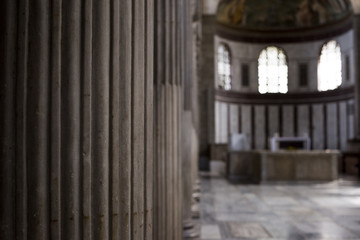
x: 138, y: 122
x: 20, y: 128
x: 91, y: 120
x: 70, y: 119
x: 100, y: 119
x: 37, y: 120
x: 125, y: 119
x: 356, y: 28
x: 149, y: 119
x: 7, y: 128
x: 86, y: 121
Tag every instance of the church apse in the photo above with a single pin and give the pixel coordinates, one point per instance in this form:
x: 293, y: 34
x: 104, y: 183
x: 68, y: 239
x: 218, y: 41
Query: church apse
x: 280, y: 15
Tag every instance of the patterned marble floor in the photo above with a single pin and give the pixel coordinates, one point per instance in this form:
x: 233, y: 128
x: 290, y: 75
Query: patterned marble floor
x: 279, y: 211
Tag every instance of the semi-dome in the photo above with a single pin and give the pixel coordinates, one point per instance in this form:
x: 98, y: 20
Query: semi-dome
x: 280, y: 15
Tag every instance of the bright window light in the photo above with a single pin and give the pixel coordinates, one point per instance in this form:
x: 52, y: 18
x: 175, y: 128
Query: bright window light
x: 329, y: 68
x: 273, y: 71
x: 224, y: 67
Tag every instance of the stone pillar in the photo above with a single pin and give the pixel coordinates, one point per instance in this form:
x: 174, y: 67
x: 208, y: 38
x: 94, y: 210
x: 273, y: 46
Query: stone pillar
x: 186, y: 117
x: 356, y: 28
x: 76, y: 126
x: 167, y: 161
x: 160, y: 206
x: 206, y: 81
x: 86, y: 152
x: 69, y: 113
x: 8, y: 25
x: 189, y: 118
x: 37, y: 123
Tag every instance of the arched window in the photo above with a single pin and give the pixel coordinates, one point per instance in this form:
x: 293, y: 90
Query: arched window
x: 329, y: 68
x: 224, y: 67
x: 273, y: 71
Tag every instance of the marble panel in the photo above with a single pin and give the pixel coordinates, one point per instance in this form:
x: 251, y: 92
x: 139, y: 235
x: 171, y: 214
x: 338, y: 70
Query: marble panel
x: 327, y: 201
x: 332, y: 126
x: 325, y: 230
x: 217, y: 122
x: 248, y: 230
x: 273, y: 116
x: 224, y: 122
x: 321, y: 211
x: 280, y: 201
x: 260, y: 134
x: 210, y: 232
x: 234, y: 118
x: 351, y: 119
x: 221, y: 122
x: 343, y: 125
x: 303, y: 120
x: 280, y: 229
x: 288, y: 127
x: 245, y: 216
x: 317, y: 137
x: 246, y: 121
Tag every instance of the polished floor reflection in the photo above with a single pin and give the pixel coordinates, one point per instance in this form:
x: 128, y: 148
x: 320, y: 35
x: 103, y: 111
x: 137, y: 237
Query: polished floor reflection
x: 279, y: 211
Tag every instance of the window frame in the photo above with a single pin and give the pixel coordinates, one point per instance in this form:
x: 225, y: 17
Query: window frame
x: 264, y: 82
x: 328, y: 71
x: 221, y: 77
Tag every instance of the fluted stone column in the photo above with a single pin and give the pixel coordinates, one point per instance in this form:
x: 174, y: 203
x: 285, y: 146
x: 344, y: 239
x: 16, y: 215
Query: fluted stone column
x: 189, y: 118
x: 76, y: 107
x: 86, y: 144
x: 356, y: 29
x: 8, y: 25
x: 159, y: 158
x: 167, y: 125
x: 125, y: 146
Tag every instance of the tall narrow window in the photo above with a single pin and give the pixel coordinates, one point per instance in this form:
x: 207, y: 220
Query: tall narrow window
x: 329, y: 68
x: 273, y: 71
x: 224, y: 67
x: 303, y: 75
x: 245, y: 75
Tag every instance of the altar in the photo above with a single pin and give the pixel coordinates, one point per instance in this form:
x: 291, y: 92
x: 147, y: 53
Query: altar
x: 266, y: 166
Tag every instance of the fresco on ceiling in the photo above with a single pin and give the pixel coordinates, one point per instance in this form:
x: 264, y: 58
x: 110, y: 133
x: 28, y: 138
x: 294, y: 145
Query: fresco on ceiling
x: 281, y: 14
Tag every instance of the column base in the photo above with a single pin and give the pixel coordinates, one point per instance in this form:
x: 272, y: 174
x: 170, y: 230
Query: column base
x: 188, y: 224
x: 192, y: 233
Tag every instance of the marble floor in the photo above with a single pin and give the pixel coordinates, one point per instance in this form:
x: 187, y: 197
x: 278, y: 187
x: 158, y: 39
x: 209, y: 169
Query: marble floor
x: 279, y: 211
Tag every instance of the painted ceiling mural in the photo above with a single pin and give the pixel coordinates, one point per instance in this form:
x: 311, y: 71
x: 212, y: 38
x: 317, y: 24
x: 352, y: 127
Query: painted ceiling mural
x: 281, y: 14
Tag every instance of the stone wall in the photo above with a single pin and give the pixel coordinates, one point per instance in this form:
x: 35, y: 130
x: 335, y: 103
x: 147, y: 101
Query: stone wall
x: 296, y: 53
